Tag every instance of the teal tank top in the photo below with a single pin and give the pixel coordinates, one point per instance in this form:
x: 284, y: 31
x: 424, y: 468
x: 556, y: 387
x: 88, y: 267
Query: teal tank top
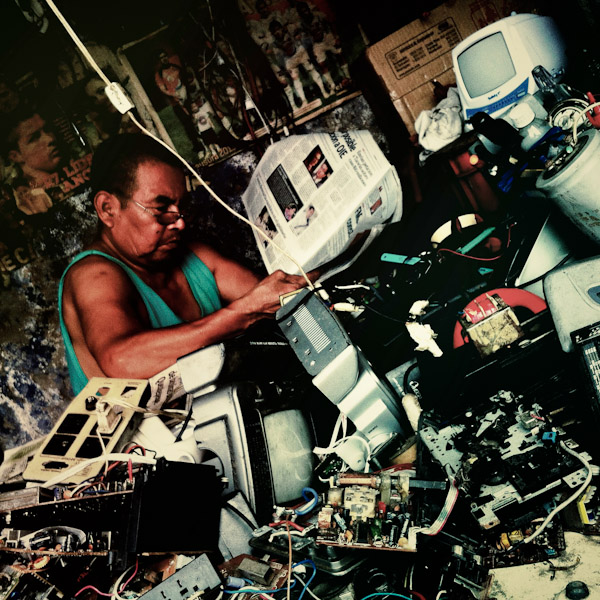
x: 200, y: 280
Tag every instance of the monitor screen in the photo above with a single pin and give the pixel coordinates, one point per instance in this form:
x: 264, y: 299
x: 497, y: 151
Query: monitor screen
x: 486, y: 65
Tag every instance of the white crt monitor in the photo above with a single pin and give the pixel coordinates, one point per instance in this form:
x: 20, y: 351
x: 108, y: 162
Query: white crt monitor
x: 493, y: 65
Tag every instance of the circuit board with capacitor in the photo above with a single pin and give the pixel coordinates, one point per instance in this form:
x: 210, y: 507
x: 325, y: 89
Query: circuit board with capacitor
x: 372, y: 510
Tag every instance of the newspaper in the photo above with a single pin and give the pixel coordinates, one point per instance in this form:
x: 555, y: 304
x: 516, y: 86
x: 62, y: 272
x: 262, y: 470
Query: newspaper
x: 193, y: 373
x: 165, y: 387
x: 313, y: 194
x: 16, y: 459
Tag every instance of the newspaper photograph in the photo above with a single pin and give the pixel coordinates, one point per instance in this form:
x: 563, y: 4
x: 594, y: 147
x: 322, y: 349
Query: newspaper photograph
x: 313, y: 194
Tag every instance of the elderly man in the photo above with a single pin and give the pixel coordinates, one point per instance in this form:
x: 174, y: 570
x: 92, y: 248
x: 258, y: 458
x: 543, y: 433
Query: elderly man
x: 137, y: 298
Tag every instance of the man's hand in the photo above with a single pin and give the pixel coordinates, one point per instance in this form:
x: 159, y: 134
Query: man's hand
x: 263, y: 299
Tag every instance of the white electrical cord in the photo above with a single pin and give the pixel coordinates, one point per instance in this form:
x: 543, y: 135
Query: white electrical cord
x: 103, y: 446
x: 173, y: 413
x: 117, y: 456
x: 332, y: 448
x: 117, y: 583
x: 118, y: 97
x: 570, y: 499
x: 342, y: 422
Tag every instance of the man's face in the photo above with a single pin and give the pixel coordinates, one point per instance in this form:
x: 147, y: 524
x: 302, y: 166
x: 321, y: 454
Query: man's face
x: 136, y: 231
x: 322, y: 171
x: 314, y: 160
x: 35, y: 147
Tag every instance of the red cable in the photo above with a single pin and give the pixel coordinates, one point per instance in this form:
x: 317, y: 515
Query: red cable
x: 291, y: 523
x: 91, y: 587
x: 129, y: 580
x: 134, y: 447
x: 469, y: 256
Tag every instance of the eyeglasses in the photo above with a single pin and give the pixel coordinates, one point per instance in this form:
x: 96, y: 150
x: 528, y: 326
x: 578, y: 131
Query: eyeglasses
x: 164, y: 217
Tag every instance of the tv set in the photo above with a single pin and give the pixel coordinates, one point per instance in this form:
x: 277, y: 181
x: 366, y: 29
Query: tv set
x: 261, y: 450
x: 259, y: 437
x: 493, y: 65
x: 343, y: 374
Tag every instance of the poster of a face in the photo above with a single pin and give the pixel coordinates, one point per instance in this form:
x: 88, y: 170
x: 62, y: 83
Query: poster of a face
x: 52, y: 117
x: 43, y: 160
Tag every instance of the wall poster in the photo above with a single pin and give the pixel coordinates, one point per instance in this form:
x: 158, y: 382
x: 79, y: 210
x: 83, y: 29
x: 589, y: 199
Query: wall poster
x: 53, y: 114
x: 300, y: 42
x: 210, y: 78
x: 221, y: 77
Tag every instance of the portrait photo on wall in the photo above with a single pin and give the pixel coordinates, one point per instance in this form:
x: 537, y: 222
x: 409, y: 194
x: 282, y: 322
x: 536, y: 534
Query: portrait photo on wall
x: 44, y: 157
x: 53, y: 114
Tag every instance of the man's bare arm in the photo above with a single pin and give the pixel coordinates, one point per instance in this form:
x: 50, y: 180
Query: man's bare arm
x: 118, y: 335
x: 233, y: 280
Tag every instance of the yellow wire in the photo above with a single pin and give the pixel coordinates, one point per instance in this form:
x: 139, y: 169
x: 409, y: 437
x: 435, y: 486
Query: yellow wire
x: 78, y: 42
x: 95, y: 66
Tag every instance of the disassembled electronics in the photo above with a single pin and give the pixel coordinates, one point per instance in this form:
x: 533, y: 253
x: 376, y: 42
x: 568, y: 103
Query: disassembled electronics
x: 490, y: 321
x: 25, y: 586
x: 93, y: 424
x: 194, y: 580
x: 365, y: 510
x: 505, y: 457
x: 491, y: 325
x: 341, y: 371
x: 246, y: 570
x: 117, y: 514
x: 573, y: 295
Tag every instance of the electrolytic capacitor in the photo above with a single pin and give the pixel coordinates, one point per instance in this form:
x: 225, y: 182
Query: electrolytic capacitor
x: 403, y: 541
x: 394, y: 535
x: 386, y: 527
x: 362, y: 532
x: 340, y: 521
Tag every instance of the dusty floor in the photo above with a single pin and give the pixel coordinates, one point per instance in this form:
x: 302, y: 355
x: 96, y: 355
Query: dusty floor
x: 580, y: 562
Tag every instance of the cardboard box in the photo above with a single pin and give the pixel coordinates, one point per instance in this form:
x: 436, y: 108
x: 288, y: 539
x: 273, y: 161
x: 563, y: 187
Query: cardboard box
x: 409, y: 60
